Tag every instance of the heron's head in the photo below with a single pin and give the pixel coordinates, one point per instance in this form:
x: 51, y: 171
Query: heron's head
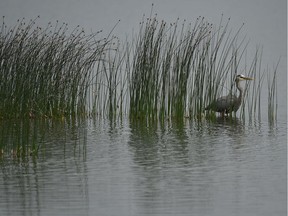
x: 242, y: 77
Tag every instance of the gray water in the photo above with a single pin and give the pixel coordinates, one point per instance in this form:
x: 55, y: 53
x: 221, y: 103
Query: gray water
x: 102, y: 167
x: 107, y: 168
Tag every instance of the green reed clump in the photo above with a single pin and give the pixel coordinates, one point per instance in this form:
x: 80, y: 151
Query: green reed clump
x: 145, y: 75
x: 167, y: 71
x: 161, y: 67
x: 177, y: 72
x: 46, y: 71
x: 187, y: 66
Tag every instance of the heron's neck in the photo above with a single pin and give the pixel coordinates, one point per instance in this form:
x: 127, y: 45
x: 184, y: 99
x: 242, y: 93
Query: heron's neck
x: 240, y: 90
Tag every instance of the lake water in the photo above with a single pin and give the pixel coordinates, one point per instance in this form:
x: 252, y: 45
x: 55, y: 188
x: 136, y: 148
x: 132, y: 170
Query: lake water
x: 107, y: 168
x: 119, y: 168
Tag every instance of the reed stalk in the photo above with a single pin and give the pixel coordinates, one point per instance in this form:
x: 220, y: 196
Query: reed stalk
x: 168, y: 70
x: 44, y: 71
x: 272, y: 96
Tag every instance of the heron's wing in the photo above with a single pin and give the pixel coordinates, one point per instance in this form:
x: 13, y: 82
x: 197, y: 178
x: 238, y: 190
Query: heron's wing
x: 222, y: 104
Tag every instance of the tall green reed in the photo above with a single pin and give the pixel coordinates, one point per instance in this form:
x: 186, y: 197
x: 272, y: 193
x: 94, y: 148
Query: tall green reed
x: 45, y: 71
x: 167, y: 70
x: 176, y: 71
x: 145, y: 73
x: 109, y: 83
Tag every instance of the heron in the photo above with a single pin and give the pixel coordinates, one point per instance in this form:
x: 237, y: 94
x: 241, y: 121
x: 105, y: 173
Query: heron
x: 230, y: 103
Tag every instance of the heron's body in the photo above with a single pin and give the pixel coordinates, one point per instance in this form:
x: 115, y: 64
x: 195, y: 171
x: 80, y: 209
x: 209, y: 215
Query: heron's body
x: 230, y: 103
x: 225, y: 104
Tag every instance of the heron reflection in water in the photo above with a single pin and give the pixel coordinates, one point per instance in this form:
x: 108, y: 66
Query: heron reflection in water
x: 230, y: 103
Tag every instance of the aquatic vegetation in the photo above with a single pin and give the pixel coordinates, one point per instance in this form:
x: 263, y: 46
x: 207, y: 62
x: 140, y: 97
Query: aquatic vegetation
x: 272, y: 96
x: 45, y: 71
x: 167, y: 70
x: 178, y: 69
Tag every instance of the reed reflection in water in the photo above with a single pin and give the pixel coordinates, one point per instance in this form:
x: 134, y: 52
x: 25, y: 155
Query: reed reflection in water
x: 102, y: 167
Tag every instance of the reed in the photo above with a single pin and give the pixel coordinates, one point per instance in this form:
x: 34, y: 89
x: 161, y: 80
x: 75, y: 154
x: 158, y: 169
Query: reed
x: 176, y: 71
x: 110, y: 82
x: 167, y: 70
x: 145, y: 71
x: 161, y: 68
x: 45, y: 71
x: 272, y: 95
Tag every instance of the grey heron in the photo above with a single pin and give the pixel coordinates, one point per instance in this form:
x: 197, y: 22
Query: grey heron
x: 230, y: 103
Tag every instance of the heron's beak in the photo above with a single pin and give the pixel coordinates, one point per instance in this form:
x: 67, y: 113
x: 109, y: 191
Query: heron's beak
x: 247, y: 78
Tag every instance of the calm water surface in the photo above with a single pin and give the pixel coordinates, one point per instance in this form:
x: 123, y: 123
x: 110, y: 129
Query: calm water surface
x: 102, y: 167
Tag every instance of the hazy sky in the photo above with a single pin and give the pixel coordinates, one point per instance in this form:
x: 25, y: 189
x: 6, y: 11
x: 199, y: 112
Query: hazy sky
x: 265, y: 20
